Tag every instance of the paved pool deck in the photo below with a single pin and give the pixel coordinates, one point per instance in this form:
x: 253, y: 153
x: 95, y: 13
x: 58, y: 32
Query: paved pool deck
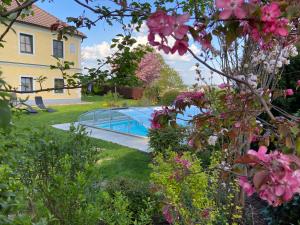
x: 140, y: 144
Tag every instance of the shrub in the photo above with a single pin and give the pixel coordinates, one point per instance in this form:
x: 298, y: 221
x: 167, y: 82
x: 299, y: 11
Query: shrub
x: 184, y: 189
x: 152, y: 94
x: 168, y: 138
x: 137, y: 193
x: 57, y: 173
x: 169, y: 97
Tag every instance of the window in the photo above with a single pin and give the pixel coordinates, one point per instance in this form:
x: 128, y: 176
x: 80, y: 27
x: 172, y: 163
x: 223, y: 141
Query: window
x: 58, y: 49
x: 26, y: 84
x: 58, y: 83
x: 26, y: 43
x: 72, y: 48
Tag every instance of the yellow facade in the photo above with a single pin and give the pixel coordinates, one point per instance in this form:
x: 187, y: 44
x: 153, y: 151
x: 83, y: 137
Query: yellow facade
x: 15, y: 64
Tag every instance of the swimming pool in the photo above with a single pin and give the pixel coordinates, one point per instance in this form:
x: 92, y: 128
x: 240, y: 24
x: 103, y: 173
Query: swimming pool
x: 132, y: 121
x: 125, y: 126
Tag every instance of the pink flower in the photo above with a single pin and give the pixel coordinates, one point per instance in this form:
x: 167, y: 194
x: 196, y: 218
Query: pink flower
x: 270, y: 12
x: 231, y: 7
x: 275, y: 179
x: 180, y: 30
x: 247, y: 187
x: 161, y: 23
x: 278, y: 27
x: 181, y: 46
x: 261, y: 154
x: 298, y: 83
x: 289, y: 92
x: 167, y: 214
x: 223, y: 86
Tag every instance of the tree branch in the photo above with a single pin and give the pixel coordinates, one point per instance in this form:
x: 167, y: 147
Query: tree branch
x: 9, y: 26
x: 260, y: 98
x: 18, y: 9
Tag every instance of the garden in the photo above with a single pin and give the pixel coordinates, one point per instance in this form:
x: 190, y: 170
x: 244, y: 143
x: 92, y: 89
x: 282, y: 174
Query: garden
x: 236, y: 162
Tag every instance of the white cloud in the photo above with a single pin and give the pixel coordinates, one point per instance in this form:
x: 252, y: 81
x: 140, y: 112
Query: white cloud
x: 96, y: 51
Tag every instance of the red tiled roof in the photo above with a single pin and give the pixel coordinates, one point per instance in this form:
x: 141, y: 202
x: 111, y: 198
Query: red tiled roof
x: 41, y: 18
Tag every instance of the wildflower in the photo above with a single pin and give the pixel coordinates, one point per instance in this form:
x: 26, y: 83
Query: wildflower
x: 231, y: 7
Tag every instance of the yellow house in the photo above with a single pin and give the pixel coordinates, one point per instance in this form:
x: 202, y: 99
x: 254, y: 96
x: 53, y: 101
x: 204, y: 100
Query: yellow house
x: 28, y: 53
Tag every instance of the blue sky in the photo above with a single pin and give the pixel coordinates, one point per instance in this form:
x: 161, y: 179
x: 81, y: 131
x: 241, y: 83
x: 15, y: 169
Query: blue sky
x: 99, y: 38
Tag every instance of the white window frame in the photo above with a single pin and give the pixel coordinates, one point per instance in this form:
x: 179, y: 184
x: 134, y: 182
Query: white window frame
x: 63, y: 90
x: 64, y: 48
x: 27, y: 76
x: 33, y: 43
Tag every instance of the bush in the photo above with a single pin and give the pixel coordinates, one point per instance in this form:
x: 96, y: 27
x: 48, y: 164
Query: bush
x: 136, y: 192
x: 57, y: 172
x: 152, y: 94
x: 169, y: 97
x: 169, y: 138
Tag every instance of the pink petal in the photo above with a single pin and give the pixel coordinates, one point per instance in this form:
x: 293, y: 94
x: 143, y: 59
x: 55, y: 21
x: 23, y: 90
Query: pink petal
x: 225, y: 14
x: 181, y: 31
x: 222, y: 3
x: 240, y: 13
x: 282, y: 32
x: 279, y: 190
x: 262, y: 150
x: 183, y: 18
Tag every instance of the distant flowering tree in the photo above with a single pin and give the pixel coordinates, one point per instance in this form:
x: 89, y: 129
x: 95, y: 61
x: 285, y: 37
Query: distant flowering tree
x: 149, y: 68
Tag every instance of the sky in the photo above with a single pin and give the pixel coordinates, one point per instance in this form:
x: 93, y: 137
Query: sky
x: 97, y: 44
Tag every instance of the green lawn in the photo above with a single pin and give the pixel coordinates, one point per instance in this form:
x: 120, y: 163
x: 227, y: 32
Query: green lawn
x: 115, y: 160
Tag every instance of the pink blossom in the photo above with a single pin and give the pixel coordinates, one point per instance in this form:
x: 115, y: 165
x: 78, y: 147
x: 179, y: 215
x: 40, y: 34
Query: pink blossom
x: 261, y: 154
x: 270, y: 12
x: 223, y: 86
x: 247, y: 187
x: 289, y: 92
x: 160, y: 118
x: 181, y: 46
x: 204, y: 41
x: 149, y: 68
x: 180, y: 30
x: 298, y: 83
x: 231, y: 7
x: 161, y: 23
x: 274, y: 179
x: 278, y: 27
x: 188, y: 98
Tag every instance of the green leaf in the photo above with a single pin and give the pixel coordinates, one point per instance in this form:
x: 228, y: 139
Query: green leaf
x: 5, y: 114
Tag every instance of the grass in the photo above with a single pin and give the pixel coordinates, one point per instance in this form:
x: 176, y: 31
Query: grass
x: 115, y: 160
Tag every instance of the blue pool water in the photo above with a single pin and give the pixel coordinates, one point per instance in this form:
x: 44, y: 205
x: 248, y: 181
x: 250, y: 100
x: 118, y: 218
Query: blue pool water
x: 125, y: 126
x: 134, y: 121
